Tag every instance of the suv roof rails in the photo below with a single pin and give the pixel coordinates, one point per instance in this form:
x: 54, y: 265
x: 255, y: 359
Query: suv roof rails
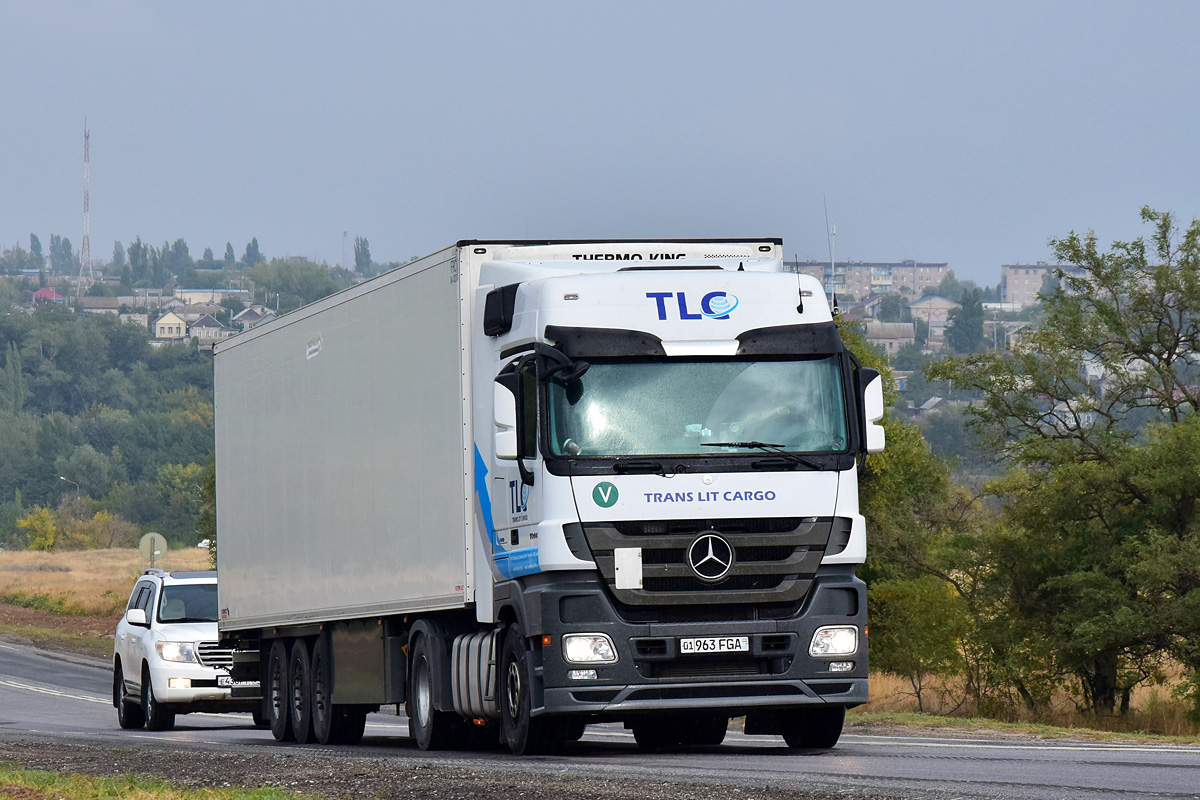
x: 155, y: 571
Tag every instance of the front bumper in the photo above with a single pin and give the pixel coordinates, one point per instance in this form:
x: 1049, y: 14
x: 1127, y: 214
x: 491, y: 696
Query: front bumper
x: 652, y: 675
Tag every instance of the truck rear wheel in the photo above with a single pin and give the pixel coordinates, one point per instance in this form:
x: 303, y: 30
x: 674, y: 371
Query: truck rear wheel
x: 326, y: 717
x: 300, y: 692
x: 276, y: 689
x: 814, y: 728
x: 432, y: 729
x: 524, y: 734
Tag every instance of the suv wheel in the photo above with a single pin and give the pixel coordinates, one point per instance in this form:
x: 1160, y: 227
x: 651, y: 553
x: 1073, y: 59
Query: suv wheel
x: 129, y: 713
x: 158, y: 717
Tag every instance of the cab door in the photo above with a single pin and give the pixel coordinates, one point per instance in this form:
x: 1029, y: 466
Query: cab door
x: 515, y: 489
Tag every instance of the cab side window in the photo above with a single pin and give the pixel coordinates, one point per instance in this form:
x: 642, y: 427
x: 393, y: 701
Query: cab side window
x: 146, y: 602
x: 135, y: 598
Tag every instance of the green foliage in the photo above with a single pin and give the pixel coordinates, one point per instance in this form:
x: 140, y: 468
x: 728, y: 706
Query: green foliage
x: 40, y: 601
x: 964, y: 329
x: 1096, y: 411
x: 362, y: 256
x: 206, y: 522
x: 252, y: 255
x: 894, y: 308
x: 295, y: 283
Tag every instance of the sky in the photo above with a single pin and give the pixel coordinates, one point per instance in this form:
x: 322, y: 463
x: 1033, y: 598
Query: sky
x: 963, y: 132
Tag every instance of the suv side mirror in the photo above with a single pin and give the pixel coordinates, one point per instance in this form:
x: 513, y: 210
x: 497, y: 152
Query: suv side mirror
x: 137, y: 616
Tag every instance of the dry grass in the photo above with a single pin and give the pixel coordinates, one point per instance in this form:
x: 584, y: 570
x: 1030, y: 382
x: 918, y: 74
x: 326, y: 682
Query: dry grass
x: 1153, y: 709
x: 91, y: 582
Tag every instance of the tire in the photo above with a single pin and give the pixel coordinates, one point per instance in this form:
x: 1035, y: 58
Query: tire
x: 326, y: 717
x: 276, y: 690
x: 158, y: 717
x: 259, y: 720
x: 814, y: 728
x: 432, y: 729
x: 523, y: 734
x: 300, y: 692
x: 351, y: 726
x: 707, y: 731
x: 129, y: 713
x: 656, y: 733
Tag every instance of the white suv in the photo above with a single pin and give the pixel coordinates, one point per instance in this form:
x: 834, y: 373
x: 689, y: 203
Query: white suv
x: 167, y: 659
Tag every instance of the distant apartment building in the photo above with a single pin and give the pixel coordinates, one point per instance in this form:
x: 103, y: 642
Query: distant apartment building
x: 860, y: 279
x: 194, y: 297
x: 1020, y: 283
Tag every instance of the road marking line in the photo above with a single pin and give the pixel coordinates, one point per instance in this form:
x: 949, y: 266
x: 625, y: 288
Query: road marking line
x: 978, y: 745
x: 46, y: 690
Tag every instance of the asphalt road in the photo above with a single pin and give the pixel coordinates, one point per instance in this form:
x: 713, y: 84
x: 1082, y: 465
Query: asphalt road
x: 55, y: 698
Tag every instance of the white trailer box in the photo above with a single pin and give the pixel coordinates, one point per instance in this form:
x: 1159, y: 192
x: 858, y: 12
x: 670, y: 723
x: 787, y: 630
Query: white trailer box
x: 343, y: 438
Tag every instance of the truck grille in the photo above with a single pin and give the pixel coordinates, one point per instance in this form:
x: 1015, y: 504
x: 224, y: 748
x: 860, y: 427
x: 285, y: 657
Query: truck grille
x: 211, y: 654
x: 774, y: 559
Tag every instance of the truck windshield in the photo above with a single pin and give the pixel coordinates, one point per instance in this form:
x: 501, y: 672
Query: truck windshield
x: 624, y: 408
x: 195, y: 602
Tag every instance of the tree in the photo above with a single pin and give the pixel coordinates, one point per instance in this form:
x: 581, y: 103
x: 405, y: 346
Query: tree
x: 62, y: 260
x: 252, y: 255
x: 40, y: 529
x: 206, y: 522
x: 1096, y: 413
x: 894, y: 308
x: 964, y: 328
x: 362, y: 255
x: 230, y: 258
x: 118, y: 258
x: 36, y: 259
x: 139, y: 261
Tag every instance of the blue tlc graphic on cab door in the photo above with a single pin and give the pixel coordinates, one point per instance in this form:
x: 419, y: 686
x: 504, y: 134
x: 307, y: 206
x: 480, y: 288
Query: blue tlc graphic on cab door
x: 714, y: 305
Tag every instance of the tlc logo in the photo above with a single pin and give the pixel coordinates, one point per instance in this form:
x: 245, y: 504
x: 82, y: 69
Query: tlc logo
x: 714, y: 305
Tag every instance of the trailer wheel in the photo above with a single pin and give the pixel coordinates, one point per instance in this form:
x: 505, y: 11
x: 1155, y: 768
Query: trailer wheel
x: 276, y: 689
x: 432, y: 729
x: 524, y: 734
x: 326, y: 717
x: 300, y: 692
x: 814, y: 728
x: 351, y: 726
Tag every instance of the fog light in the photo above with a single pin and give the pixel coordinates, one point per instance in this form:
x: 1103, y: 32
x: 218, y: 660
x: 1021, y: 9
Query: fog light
x: 582, y: 675
x: 588, y: 648
x: 841, y: 666
x: 841, y: 640
x: 179, y: 683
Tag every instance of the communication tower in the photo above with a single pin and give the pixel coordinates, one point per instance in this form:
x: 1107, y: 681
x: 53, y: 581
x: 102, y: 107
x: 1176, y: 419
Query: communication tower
x: 85, y: 250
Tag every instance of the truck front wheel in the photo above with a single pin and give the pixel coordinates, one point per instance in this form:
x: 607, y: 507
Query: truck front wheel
x: 524, y: 734
x: 814, y: 728
x: 276, y: 688
x: 432, y: 729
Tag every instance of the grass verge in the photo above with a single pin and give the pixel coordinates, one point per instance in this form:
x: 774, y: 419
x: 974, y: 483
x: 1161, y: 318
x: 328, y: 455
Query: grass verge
x: 40, y: 785
x: 913, y: 723
x: 60, y: 641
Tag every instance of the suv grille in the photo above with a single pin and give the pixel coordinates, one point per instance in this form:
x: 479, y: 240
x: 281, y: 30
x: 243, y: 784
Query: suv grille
x: 774, y: 559
x: 211, y: 654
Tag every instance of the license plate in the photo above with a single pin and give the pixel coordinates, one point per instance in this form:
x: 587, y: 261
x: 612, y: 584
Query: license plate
x: 224, y: 681
x: 715, y: 644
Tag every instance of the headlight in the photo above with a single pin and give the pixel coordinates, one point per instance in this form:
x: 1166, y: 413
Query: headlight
x: 834, y: 641
x: 176, y: 651
x: 588, y: 648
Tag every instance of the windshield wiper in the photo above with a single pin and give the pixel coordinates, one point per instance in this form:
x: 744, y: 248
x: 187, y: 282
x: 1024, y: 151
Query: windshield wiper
x: 766, y: 447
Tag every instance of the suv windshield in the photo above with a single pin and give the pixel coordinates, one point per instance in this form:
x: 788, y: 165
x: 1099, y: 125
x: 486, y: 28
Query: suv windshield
x: 623, y: 408
x: 192, y: 602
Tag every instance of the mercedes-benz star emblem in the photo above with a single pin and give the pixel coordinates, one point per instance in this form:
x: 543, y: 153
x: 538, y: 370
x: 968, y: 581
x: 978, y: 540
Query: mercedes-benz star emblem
x: 710, y: 557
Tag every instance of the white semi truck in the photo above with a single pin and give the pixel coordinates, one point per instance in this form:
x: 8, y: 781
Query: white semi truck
x: 521, y: 487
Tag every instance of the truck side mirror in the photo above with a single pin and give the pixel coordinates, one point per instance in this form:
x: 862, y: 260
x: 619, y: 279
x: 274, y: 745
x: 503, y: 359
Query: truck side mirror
x: 137, y: 616
x: 505, y: 413
x: 872, y: 401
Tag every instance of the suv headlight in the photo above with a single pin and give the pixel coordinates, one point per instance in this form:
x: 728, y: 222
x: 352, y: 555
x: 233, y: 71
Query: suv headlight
x: 588, y: 648
x: 176, y: 651
x: 841, y: 640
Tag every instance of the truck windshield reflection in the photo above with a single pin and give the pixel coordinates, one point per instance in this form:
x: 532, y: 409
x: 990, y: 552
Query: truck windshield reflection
x: 691, y: 407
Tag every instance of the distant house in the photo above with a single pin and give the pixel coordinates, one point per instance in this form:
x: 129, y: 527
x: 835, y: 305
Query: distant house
x: 100, y: 305
x: 254, y: 315
x: 48, y: 295
x: 170, y: 327
x: 208, y: 330
x: 891, y: 336
x: 936, y: 313
x: 194, y: 297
